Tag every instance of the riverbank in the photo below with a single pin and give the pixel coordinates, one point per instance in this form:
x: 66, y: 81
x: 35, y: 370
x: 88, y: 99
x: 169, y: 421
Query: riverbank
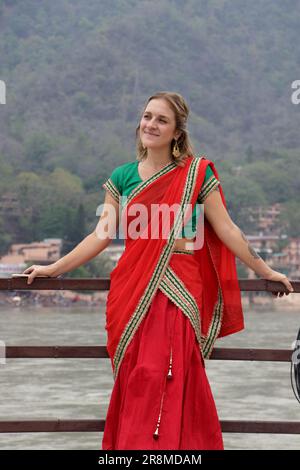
x: 48, y: 298
x: 268, y: 302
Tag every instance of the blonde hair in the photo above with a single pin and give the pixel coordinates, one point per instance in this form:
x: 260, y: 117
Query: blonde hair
x: 181, y: 111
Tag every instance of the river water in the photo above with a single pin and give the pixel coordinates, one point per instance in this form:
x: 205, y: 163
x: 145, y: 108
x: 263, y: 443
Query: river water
x: 81, y: 388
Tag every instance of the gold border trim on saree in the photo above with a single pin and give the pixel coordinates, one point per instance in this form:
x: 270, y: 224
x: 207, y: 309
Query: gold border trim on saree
x: 159, y: 271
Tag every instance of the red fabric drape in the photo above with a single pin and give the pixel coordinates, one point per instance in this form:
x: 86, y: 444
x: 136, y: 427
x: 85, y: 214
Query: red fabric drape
x: 218, y: 268
x: 136, y: 271
x: 189, y: 417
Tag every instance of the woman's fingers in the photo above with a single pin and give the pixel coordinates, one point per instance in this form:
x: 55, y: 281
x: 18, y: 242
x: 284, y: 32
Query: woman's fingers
x: 280, y: 294
x: 28, y: 270
x: 33, y: 274
x: 280, y: 277
x: 35, y: 271
x: 31, y: 271
x: 30, y: 279
x: 288, y: 285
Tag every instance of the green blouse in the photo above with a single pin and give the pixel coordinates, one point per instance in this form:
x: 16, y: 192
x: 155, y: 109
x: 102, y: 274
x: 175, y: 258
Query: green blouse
x: 125, y: 178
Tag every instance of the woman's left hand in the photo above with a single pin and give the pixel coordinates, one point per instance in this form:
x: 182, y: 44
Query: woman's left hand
x: 279, y: 277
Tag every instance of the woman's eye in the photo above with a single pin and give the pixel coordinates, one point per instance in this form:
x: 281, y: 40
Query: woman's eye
x: 161, y: 120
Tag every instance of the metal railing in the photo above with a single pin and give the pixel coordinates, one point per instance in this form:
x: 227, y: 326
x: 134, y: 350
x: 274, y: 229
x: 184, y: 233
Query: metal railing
x: 97, y: 425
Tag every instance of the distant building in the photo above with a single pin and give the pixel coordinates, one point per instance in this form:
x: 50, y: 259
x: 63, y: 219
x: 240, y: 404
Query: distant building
x: 280, y: 252
x: 21, y: 254
x: 114, y: 251
x: 10, y: 205
x: 292, y: 256
x: 266, y: 218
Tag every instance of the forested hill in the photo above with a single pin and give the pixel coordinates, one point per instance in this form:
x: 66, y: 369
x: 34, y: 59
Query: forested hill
x: 77, y: 73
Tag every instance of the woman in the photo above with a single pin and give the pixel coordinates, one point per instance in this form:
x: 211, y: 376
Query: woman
x: 169, y: 299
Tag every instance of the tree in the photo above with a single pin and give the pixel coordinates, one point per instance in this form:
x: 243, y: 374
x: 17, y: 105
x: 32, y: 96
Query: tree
x: 290, y: 218
x: 242, y: 195
x: 37, y: 149
x: 249, y: 154
x: 5, y: 238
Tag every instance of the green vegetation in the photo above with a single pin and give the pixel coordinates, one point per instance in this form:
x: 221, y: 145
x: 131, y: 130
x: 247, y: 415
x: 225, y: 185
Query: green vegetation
x: 77, y: 74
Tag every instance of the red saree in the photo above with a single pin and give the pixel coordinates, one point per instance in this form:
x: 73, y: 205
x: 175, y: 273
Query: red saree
x: 164, y: 312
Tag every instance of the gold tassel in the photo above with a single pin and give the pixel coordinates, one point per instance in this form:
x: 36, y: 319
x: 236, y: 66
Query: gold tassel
x: 170, y: 375
x: 155, y: 434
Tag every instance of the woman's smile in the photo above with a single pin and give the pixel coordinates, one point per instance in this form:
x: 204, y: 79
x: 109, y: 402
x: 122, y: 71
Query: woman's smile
x: 151, y: 133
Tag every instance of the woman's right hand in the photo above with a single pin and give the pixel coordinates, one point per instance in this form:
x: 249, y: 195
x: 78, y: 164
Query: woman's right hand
x: 280, y: 277
x: 37, y: 270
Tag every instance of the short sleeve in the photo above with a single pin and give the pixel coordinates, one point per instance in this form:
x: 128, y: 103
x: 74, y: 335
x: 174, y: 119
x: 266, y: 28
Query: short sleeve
x: 210, y: 183
x: 114, y: 184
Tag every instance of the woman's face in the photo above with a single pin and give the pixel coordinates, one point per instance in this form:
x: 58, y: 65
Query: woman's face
x: 157, y: 125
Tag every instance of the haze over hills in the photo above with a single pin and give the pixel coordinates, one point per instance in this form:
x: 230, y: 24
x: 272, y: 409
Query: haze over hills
x: 78, y: 73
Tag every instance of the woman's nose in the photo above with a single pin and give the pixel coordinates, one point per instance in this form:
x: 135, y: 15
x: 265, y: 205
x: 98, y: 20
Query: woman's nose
x: 151, y: 124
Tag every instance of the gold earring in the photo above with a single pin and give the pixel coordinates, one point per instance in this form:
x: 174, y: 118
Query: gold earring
x: 176, y: 152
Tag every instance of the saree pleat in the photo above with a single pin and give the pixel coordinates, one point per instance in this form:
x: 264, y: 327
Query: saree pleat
x: 143, y: 394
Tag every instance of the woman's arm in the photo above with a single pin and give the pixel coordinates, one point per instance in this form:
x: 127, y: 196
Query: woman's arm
x: 91, y: 246
x: 235, y: 239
